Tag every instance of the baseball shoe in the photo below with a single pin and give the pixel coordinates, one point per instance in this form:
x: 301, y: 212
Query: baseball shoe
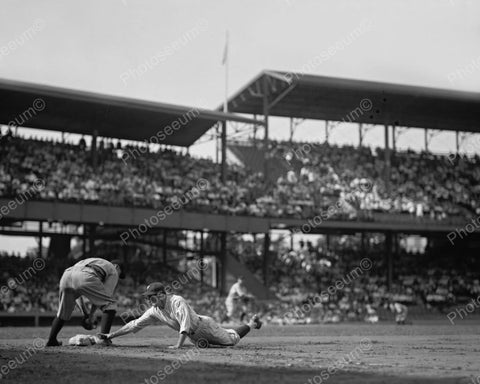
x: 257, y: 322
x: 53, y: 343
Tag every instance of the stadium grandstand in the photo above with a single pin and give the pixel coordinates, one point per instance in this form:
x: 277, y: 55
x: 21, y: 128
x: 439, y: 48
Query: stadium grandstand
x: 289, y: 216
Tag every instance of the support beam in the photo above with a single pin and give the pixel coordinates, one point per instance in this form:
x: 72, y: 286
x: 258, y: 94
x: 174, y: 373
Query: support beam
x: 40, y: 239
x: 394, y: 138
x: 94, y: 149
x: 291, y: 130
x: 164, y: 246
x: 265, y: 117
x: 91, y: 239
x: 457, y: 142
x: 389, y: 258
x: 202, y: 254
x: 84, y: 241
x: 223, y: 263
x: 426, y: 140
x: 327, y: 131
x: 266, y: 247
x: 224, y: 151
x: 360, y: 135
x: 387, y: 160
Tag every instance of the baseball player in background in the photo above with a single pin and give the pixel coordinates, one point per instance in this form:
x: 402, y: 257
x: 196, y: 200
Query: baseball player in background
x: 174, y: 311
x: 237, y: 298
x: 400, y: 311
x: 94, y: 279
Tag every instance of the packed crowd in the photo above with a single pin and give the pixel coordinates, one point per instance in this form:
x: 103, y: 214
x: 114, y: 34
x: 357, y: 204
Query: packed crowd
x: 430, y: 282
x: 318, y: 176
x: 421, y: 184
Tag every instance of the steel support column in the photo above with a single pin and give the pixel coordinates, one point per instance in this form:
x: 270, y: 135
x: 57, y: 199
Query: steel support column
x: 387, y: 159
x: 224, y: 151
x: 40, y: 238
x: 389, y: 258
x: 265, y: 117
x: 266, y: 247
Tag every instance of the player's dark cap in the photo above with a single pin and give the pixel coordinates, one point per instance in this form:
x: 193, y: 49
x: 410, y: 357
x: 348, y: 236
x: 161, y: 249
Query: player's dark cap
x: 121, y: 264
x: 154, y: 289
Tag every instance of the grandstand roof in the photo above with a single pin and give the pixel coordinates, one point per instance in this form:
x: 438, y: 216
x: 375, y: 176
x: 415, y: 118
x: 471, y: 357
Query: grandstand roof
x: 327, y: 98
x: 74, y: 111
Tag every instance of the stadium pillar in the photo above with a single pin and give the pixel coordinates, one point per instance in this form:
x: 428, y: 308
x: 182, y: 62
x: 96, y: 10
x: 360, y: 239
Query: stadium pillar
x: 360, y: 135
x: 363, y: 246
x: 394, y: 139
x: 291, y: 130
x: 327, y: 131
x: 426, y: 140
x: 223, y: 261
x: 202, y: 253
x: 266, y: 247
x: 164, y: 246
x: 84, y: 242
x: 91, y: 239
x: 389, y: 261
x: 94, y: 149
x: 387, y: 159
x: 457, y: 142
x: 40, y: 239
x: 224, y: 151
x: 265, y: 118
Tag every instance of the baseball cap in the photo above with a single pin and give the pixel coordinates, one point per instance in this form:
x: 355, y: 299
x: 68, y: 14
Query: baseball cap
x: 153, y: 289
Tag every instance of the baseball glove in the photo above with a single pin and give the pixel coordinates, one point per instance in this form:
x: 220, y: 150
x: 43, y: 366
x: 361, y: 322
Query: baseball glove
x: 87, y: 324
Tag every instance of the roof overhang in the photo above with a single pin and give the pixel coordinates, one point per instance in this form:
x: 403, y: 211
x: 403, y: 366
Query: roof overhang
x: 67, y: 110
x: 300, y: 95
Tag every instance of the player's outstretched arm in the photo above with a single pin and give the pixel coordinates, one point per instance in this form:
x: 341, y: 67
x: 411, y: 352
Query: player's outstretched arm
x: 148, y: 318
x: 125, y: 330
x: 181, y: 340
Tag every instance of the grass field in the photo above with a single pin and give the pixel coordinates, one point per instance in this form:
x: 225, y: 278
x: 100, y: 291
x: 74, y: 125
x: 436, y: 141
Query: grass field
x: 426, y: 352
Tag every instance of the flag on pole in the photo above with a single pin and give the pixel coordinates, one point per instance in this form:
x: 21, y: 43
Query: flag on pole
x: 225, y: 51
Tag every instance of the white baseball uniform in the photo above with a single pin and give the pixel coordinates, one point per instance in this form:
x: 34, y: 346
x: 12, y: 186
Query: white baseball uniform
x: 237, y: 290
x: 94, y: 278
x: 401, y: 312
x: 179, y: 316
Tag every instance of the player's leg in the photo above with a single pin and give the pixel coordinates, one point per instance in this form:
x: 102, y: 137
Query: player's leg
x: 66, y: 306
x: 230, y: 310
x: 94, y: 290
x: 65, y: 309
x: 210, y: 332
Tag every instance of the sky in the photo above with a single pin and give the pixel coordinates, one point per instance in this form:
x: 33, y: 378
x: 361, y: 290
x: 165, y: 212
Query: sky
x: 104, y: 46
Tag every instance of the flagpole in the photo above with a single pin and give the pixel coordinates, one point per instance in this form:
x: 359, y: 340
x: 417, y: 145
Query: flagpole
x: 226, y: 60
x: 225, y: 110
